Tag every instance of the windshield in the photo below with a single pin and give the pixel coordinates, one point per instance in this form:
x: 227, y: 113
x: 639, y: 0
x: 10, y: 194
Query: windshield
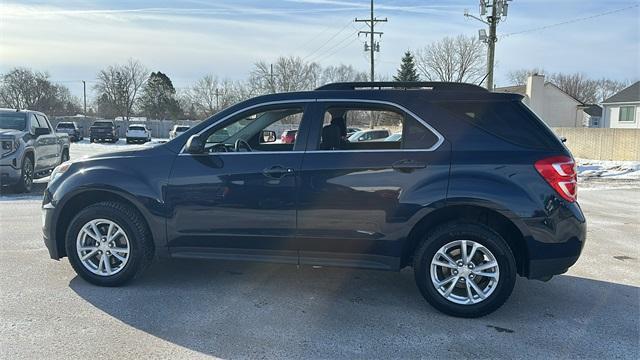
x: 136, y: 127
x: 103, y: 123
x: 65, y: 126
x: 13, y: 121
x: 182, y: 128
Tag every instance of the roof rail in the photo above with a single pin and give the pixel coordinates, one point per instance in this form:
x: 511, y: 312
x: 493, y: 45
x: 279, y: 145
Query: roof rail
x: 403, y: 85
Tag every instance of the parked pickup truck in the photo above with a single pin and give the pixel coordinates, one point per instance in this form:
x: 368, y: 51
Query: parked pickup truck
x: 30, y: 148
x: 103, y: 130
x: 71, y: 128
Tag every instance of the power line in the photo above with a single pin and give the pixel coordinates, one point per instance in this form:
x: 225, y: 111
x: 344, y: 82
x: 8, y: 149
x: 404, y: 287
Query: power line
x: 327, y: 41
x: 328, y: 55
x: 571, y: 21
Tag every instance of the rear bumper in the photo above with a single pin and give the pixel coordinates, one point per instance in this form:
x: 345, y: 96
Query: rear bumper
x: 104, y: 136
x: 557, y: 248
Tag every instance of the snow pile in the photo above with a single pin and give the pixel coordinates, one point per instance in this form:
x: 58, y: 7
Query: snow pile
x: 618, y: 170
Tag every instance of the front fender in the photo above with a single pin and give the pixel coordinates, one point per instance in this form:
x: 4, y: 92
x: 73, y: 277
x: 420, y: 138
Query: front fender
x: 139, y: 180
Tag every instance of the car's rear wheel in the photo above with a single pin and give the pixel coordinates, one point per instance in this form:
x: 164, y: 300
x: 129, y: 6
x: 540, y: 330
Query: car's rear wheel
x: 108, y: 244
x: 25, y: 183
x: 465, y: 269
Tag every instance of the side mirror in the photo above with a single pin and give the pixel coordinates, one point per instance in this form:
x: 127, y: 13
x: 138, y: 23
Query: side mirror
x: 195, y: 145
x: 42, y: 131
x: 268, y: 136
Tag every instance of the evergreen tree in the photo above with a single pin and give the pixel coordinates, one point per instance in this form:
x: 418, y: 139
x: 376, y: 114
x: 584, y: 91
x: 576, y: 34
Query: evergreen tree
x: 158, y: 99
x: 407, y: 70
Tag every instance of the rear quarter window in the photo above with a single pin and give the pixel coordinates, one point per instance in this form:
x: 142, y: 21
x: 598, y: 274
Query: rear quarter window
x: 508, y: 120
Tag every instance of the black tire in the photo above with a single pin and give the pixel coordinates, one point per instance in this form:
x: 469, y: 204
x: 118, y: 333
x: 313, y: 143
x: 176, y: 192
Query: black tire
x: 128, y: 141
x: 92, y: 140
x: 140, y: 241
x: 65, y: 156
x: 25, y: 183
x: 486, y: 237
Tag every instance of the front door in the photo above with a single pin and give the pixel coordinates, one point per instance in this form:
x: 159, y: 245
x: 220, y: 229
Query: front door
x: 358, y: 199
x: 239, y: 199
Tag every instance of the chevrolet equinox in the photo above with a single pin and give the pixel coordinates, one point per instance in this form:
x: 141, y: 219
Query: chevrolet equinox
x: 476, y: 190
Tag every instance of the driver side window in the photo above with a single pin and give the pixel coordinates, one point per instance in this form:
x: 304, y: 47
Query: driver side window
x: 274, y: 129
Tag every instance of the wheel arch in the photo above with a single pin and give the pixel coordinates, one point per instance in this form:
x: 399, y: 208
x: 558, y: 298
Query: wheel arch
x: 70, y: 208
x: 494, y: 219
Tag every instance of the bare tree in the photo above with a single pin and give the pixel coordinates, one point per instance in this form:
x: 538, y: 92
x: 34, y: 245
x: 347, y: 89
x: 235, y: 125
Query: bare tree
x: 586, y: 90
x: 608, y: 87
x: 210, y: 94
x: 22, y: 88
x: 118, y: 86
x: 459, y: 59
x: 341, y: 73
x: 289, y: 74
x: 519, y: 77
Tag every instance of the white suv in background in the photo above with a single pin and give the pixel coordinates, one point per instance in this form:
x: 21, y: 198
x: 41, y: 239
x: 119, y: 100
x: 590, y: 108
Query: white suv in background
x: 177, y: 131
x: 138, y: 133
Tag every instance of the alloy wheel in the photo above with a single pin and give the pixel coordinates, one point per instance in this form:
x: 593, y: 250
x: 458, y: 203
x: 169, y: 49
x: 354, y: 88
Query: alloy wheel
x: 27, y: 174
x: 464, y: 272
x: 103, y: 247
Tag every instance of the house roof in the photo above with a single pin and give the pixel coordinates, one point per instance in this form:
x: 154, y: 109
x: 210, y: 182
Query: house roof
x: 630, y: 94
x: 522, y: 90
x: 593, y: 110
x: 516, y: 89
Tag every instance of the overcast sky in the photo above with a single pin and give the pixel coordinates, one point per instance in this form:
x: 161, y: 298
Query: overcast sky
x: 73, y: 39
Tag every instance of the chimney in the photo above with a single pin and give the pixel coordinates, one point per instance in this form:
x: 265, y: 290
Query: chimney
x: 535, y: 93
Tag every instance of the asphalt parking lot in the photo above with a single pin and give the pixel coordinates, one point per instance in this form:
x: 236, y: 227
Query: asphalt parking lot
x: 187, y: 309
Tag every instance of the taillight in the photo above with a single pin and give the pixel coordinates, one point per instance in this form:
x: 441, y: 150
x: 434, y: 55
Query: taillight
x: 560, y: 173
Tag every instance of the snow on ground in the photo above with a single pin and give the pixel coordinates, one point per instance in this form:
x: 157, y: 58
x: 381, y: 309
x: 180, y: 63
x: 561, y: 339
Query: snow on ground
x: 629, y: 170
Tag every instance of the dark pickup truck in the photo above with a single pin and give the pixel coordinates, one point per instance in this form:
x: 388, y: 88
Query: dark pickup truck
x: 30, y: 148
x: 103, y: 130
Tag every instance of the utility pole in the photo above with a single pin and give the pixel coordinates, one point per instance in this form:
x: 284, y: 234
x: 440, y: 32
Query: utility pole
x: 84, y: 91
x: 499, y: 9
x: 373, y: 46
x: 273, y: 85
x: 217, y: 99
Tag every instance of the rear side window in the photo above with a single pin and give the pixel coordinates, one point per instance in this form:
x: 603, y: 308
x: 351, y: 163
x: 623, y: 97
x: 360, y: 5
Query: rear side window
x: 509, y: 120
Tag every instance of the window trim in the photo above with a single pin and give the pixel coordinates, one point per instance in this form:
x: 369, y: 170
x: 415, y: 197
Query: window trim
x: 399, y: 107
x: 309, y: 102
x: 633, y: 114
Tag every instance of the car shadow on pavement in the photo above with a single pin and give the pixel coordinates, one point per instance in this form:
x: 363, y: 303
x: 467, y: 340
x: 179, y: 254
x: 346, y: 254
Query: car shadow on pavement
x: 37, y: 189
x: 235, y: 310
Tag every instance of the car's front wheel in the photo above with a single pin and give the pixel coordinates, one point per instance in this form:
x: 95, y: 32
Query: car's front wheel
x: 25, y: 182
x: 108, y: 244
x: 465, y: 269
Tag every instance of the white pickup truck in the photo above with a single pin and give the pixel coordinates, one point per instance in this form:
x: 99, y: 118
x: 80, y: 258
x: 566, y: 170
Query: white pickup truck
x: 138, y: 133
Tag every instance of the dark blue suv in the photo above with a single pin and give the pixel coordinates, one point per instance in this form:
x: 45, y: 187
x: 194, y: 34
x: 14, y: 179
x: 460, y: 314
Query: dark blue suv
x: 475, y: 190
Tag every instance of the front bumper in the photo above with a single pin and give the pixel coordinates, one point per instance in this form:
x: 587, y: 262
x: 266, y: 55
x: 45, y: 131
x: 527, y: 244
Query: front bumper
x: 10, y: 171
x: 48, y: 226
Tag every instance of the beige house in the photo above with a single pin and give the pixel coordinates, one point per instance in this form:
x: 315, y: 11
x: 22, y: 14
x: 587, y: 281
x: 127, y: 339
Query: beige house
x: 622, y: 110
x: 554, y: 106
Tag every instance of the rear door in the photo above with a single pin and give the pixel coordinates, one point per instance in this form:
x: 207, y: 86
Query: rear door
x: 359, y: 202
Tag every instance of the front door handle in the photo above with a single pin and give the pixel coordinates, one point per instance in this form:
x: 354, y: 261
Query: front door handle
x: 408, y: 165
x: 277, y: 172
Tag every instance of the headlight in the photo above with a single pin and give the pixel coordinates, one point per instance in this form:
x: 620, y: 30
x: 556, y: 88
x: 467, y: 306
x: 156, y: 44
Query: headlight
x: 9, y: 146
x: 59, y: 170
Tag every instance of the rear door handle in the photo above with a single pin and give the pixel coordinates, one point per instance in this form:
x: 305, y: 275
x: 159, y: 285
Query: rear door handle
x: 408, y: 165
x: 277, y: 172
